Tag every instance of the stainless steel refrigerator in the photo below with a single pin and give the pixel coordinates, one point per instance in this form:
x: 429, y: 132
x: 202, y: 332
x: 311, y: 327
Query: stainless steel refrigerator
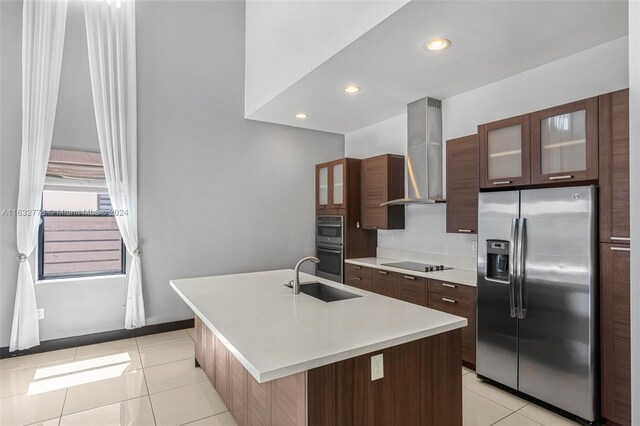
x: 537, y: 291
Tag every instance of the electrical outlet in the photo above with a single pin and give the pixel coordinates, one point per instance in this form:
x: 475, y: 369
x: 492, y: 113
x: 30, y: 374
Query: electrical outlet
x: 474, y: 246
x: 390, y: 239
x: 41, y: 313
x: 377, y: 367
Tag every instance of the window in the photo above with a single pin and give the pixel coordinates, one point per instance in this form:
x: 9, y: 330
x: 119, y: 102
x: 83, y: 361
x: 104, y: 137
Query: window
x: 78, y: 232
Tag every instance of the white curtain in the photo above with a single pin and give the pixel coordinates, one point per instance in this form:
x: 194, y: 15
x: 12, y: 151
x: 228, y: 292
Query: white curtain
x: 43, y: 27
x: 111, y: 40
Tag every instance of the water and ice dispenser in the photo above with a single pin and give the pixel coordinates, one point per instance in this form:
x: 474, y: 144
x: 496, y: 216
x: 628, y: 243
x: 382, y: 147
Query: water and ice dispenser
x: 498, y: 260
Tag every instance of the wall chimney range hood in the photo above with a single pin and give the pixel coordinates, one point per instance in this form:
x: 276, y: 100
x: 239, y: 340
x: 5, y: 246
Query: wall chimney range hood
x: 423, y: 163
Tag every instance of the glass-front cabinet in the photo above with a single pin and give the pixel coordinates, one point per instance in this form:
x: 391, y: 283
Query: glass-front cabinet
x: 330, y: 185
x: 338, y: 185
x: 564, y: 143
x: 505, y: 152
x: 322, y: 182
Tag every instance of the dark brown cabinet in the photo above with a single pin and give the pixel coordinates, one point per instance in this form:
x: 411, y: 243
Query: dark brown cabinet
x: 462, y: 185
x: 551, y: 146
x: 564, y: 143
x: 382, y: 180
x: 359, y: 277
x: 615, y: 254
x: 615, y: 340
x: 505, y: 152
x: 333, y: 192
x: 614, y: 167
x: 457, y: 300
x: 444, y: 296
x: 412, y: 289
x: 385, y: 283
x: 338, y: 194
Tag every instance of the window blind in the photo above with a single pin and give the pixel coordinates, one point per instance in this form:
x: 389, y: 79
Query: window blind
x: 76, y: 171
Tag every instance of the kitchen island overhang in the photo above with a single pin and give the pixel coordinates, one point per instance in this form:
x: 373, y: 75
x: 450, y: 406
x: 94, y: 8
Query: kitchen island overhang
x: 262, y: 347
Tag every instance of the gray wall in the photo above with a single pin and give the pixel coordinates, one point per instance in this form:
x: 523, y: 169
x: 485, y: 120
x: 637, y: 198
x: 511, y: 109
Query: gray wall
x: 217, y: 193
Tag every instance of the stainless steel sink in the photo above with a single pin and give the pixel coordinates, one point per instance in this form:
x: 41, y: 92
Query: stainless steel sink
x: 324, y: 292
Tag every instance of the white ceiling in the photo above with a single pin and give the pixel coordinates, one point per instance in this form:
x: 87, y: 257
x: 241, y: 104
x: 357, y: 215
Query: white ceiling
x: 285, y: 40
x: 489, y: 41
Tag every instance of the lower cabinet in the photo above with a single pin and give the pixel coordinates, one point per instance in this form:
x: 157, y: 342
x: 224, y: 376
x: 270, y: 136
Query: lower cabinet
x: 385, y: 283
x: 455, y: 299
x: 615, y: 341
x: 359, y: 277
x: 412, y: 289
x: 458, y: 300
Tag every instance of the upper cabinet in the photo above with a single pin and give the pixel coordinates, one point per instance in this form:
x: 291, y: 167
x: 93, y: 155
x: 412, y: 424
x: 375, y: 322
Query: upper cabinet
x: 505, y: 152
x: 614, y: 167
x: 337, y: 184
x: 382, y: 180
x: 462, y: 185
x: 564, y: 143
x: 322, y: 186
x: 551, y: 146
x: 331, y: 180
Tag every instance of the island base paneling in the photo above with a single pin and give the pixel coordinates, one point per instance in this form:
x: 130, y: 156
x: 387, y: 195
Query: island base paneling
x: 422, y: 384
x: 280, y: 402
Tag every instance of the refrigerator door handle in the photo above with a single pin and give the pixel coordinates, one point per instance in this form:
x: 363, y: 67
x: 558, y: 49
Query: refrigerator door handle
x: 512, y: 268
x: 522, y: 311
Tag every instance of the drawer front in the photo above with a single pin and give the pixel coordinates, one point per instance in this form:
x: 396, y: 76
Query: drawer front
x: 457, y: 291
x: 412, y: 289
x: 462, y: 308
x: 385, y: 283
x: 357, y: 270
x: 363, y: 283
x: 385, y: 275
x: 449, y: 304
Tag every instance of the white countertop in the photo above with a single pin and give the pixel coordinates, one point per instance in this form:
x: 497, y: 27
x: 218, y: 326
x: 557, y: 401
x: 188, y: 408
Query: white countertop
x: 458, y: 276
x: 275, y: 334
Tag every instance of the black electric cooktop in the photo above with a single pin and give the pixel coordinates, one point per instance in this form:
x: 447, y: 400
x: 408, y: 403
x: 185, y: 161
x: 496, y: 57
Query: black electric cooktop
x: 415, y: 266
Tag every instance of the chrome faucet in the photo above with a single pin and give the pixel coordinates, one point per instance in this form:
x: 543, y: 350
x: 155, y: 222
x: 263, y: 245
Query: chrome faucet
x: 296, y: 281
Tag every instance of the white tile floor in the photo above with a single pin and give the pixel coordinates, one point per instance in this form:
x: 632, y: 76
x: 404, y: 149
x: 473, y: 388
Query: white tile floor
x: 152, y: 380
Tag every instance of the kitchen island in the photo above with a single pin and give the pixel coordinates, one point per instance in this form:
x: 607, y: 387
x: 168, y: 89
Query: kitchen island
x: 281, y: 359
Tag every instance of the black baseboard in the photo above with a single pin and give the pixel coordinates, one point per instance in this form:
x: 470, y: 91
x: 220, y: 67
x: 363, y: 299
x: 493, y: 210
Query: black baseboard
x: 91, y: 339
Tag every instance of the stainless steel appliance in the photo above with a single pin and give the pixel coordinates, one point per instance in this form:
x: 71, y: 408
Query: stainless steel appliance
x: 330, y: 247
x: 330, y: 229
x: 536, y: 323
x: 424, y: 153
x: 419, y: 267
x: 331, y: 262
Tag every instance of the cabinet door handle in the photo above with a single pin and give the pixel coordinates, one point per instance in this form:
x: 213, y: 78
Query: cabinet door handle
x: 620, y: 249
x: 560, y: 177
x: 383, y: 272
x: 620, y: 238
x: 502, y: 182
x: 409, y: 277
x: 466, y: 231
x: 357, y: 267
x: 357, y: 278
x: 446, y: 299
x: 448, y: 285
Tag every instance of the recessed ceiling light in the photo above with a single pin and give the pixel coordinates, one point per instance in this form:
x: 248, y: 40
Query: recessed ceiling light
x: 437, y: 44
x: 352, y: 89
x: 301, y: 115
